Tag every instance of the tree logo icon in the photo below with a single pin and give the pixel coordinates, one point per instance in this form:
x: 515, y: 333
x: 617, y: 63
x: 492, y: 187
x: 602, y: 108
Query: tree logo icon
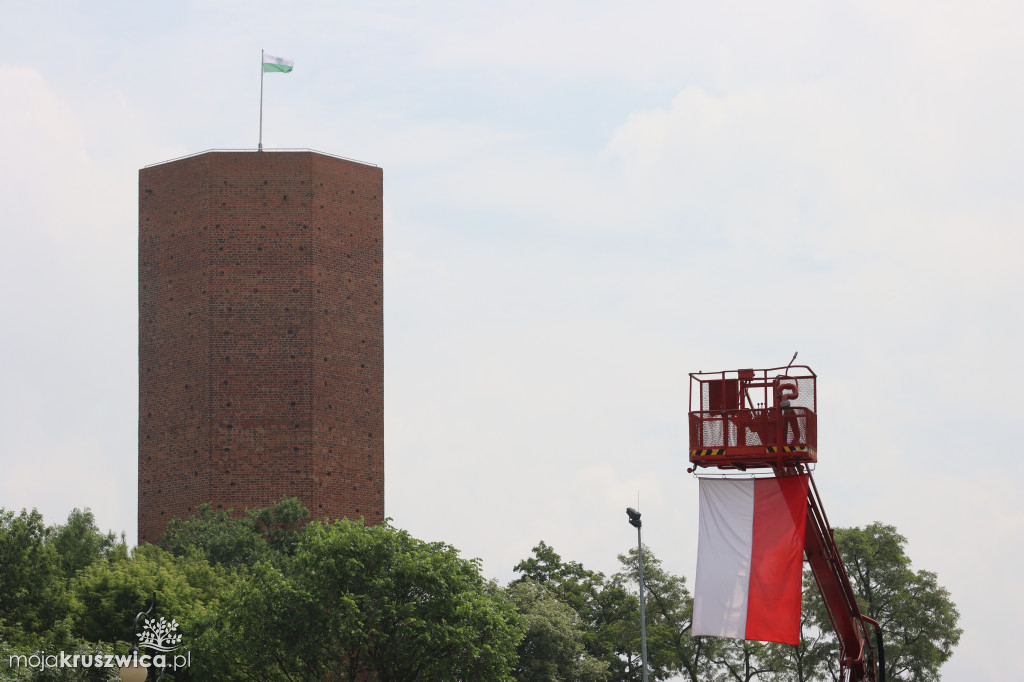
x: 160, y: 635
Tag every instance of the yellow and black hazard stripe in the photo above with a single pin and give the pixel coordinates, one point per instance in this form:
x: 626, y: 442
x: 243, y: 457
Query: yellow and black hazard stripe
x: 707, y: 453
x: 772, y: 449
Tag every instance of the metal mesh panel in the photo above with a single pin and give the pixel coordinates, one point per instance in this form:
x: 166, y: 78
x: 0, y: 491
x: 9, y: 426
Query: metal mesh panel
x: 712, y: 433
x: 806, y: 397
x: 733, y: 431
x: 705, y: 396
x: 751, y: 437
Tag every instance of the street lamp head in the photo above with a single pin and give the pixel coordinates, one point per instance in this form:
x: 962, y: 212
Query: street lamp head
x: 634, y: 517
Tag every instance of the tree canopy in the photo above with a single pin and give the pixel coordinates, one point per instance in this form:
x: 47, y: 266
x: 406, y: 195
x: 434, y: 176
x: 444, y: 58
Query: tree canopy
x: 270, y: 596
x: 918, y: 617
x: 355, y: 599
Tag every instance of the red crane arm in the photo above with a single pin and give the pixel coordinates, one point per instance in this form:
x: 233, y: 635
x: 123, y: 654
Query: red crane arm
x: 829, y: 572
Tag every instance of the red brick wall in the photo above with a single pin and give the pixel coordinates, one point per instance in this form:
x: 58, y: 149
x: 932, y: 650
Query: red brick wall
x: 261, y: 336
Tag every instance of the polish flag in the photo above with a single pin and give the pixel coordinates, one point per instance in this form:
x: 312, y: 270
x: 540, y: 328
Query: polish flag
x: 749, y: 558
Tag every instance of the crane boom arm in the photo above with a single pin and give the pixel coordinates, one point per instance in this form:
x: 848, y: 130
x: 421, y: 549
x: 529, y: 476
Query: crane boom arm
x: 856, y: 654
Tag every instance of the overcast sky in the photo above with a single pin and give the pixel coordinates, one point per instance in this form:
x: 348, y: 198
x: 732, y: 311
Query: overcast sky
x: 584, y: 201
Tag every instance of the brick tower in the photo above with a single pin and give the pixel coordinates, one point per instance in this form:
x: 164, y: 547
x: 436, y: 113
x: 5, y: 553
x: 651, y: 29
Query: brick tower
x: 261, y: 335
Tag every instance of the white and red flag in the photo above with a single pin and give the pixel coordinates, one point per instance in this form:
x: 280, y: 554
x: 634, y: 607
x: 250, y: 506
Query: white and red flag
x: 749, y: 558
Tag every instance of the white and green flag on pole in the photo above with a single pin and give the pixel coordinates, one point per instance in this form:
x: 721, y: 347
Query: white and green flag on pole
x: 271, y: 64
x: 277, y: 64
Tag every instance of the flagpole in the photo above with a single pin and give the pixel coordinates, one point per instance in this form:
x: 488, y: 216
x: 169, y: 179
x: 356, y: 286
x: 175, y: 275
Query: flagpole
x: 260, y: 148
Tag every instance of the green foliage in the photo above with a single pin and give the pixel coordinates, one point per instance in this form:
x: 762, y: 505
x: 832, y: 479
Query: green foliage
x: 353, y: 599
x: 108, y: 594
x: 238, y: 543
x: 609, y: 612
x: 917, y: 615
x: 79, y: 543
x: 552, y: 649
x: 584, y: 591
x: 270, y: 597
x: 918, y: 618
x: 669, y: 611
x: 32, y: 588
x: 59, y: 639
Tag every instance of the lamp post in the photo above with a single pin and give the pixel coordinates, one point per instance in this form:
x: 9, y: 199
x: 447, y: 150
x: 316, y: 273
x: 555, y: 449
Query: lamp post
x: 634, y: 520
x: 135, y: 671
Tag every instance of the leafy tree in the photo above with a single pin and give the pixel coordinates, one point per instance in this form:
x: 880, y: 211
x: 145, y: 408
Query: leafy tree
x: 669, y: 610
x: 739, y: 660
x: 552, y: 648
x: 79, y: 542
x: 32, y: 590
x: 568, y: 581
x: 107, y: 595
x: 58, y: 639
x: 602, y: 608
x: 238, y: 542
x: 609, y: 610
x: 353, y: 600
x: 918, y: 617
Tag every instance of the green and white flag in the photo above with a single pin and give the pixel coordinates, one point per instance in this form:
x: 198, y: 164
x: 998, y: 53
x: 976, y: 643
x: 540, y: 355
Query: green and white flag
x: 277, y: 64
